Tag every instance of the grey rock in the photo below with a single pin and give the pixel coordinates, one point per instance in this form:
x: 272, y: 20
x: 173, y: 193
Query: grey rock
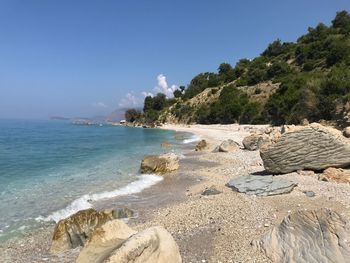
x: 309, y: 193
x: 312, y: 147
x: 261, y: 185
x: 318, y: 236
x: 211, y: 191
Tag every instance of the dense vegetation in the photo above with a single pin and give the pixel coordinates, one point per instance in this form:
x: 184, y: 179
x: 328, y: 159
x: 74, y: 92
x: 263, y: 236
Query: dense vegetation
x: 314, y: 74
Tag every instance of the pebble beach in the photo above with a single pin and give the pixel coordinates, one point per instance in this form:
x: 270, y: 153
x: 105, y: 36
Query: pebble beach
x: 207, y: 228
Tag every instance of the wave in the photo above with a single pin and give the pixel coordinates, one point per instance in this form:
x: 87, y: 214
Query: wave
x: 85, y: 201
x: 194, y: 138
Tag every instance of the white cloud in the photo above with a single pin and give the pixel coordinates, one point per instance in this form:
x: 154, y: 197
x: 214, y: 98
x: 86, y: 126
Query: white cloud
x: 146, y: 93
x: 99, y: 104
x: 163, y: 86
x: 132, y: 100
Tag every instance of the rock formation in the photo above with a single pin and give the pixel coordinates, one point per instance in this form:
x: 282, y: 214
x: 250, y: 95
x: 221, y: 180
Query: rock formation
x: 320, y: 236
x: 261, y: 185
x: 227, y: 146
x: 75, y: 230
x: 253, y: 142
x: 161, y: 164
x: 153, y: 245
x: 346, y: 132
x: 115, y: 242
x: 335, y: 175
x: 312, y: 147
x: 104, y: 240
x: 201, y: 145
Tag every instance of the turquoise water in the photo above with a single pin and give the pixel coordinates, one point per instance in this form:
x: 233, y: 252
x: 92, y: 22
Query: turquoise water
x: 51, y: 169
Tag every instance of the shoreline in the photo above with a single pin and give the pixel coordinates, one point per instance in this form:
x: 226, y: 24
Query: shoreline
x: 217, y: 228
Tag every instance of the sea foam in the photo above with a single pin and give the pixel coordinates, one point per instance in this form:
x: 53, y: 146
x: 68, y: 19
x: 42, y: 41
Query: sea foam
x: 85, y: 201
x: 194, y: 138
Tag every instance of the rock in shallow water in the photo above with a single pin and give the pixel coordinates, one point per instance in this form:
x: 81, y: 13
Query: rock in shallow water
x: 76, y: 229
x: 261, y: 185
x: 161, y: 164
x: 313, y: 147
x: 319, y: 236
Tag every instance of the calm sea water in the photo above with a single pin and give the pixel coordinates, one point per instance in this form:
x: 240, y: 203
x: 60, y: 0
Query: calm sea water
x: 51, y: 169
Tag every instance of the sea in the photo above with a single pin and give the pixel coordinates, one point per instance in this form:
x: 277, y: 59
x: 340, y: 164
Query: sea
x: 52, y: 169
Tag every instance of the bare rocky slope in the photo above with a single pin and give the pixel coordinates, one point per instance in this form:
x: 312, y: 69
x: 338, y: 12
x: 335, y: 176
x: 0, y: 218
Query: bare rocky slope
x: 183, y: 112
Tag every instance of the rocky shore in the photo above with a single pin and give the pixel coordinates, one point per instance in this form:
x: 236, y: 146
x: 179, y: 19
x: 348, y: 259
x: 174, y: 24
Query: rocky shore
x: 220, y: 204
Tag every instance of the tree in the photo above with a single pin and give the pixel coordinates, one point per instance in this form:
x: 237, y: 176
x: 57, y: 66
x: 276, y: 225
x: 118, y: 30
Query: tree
x: 132, y: 115
x: 159, y: 102
x: 148, y: 104
x: 226, y: 72
x: 342, y: 22
x: 177, y: 93
x: 274, y: 49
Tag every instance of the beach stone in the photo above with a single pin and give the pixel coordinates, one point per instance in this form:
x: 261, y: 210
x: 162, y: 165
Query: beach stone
x: 309, y: 193
x: 335, y: 175
x: 312, y: 147
x: 305, y: 236
x: 211, y: 191
x: 76, y: 229
x: 201, y: 145
x: 228, y: 146
x: 253, y: 142
x: 161, y: 164
x: 261, y: 185
x: 104, y: 240
x: 346, y: 132
x: 153, y: 245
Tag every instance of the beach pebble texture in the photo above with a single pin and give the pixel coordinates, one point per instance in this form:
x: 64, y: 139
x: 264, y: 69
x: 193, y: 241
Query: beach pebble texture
x: 161, y: 164
x: 312, y: 147
x: 76, y: 229
x: 264, y: 185
x: 320, y: 236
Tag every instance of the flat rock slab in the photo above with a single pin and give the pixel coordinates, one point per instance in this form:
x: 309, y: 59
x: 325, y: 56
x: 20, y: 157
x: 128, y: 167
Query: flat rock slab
x: 261, y: 185
x: 318, y: 236
x: 312, y: 147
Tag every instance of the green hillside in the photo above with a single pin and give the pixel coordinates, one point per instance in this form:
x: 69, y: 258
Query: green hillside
x: 312, y: 76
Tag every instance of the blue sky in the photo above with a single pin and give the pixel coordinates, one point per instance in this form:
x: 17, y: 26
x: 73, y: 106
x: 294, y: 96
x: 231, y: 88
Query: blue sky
x: 86, y: 58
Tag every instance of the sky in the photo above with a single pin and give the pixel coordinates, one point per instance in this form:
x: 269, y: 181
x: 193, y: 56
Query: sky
x: 87, y: 58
